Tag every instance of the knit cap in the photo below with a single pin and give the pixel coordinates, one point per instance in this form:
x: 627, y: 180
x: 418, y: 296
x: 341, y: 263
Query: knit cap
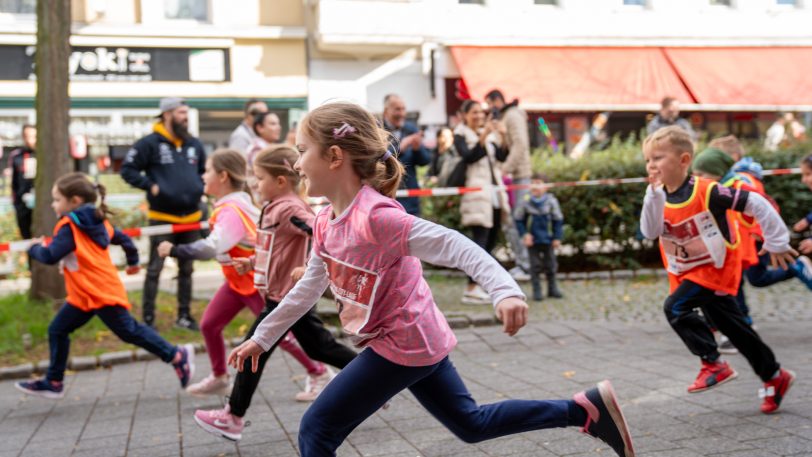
x: 712, y: 161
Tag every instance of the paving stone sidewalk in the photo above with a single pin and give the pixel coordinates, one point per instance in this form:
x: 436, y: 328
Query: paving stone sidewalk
x: 137, y: 409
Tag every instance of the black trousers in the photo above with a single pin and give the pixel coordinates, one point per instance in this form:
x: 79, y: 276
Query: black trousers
x: 542, y: 260
x: 24, y: 219
x: 486, y: 237
x: 317, y: 342
x: 681, y: 310
x: 156, y: 264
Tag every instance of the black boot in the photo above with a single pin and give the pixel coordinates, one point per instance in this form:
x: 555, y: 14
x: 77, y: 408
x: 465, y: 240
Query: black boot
x: 537, y: 295
x: 552, y: 287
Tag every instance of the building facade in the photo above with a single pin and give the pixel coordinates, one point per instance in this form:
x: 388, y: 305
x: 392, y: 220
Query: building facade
x: 127, y: 54
x: 731, y: 63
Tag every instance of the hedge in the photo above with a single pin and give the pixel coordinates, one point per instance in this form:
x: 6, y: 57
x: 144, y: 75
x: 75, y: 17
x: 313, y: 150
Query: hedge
x: 609, y: 215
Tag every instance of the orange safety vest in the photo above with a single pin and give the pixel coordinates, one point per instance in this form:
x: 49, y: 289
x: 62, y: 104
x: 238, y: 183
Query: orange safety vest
x: 242, y: 284
x: 693, y: 247
x: 91, y: 279
x: 749, y: 230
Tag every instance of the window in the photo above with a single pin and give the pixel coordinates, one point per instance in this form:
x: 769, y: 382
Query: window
x: 634, y: 2
x: 787, y: 2
x: 473, y: 2
x: 18, y: 6
x: 720, y: 2
x: 546, y: 2
x: 197, y: 10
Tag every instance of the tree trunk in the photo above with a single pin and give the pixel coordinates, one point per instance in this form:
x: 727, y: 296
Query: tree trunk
x: 52, y: 104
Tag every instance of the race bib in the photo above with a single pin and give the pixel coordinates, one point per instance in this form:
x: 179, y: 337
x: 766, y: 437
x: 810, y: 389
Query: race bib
x: 354, y: 290
x: 263, y: 251
x: 693, y: 242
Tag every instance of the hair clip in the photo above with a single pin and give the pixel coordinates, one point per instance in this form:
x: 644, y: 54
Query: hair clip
x: 386, y: 155
x: 344, y: 130
x: 287, y: 164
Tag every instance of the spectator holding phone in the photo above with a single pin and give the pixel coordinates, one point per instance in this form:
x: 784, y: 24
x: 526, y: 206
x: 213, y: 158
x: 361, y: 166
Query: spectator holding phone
x: 408, y: 147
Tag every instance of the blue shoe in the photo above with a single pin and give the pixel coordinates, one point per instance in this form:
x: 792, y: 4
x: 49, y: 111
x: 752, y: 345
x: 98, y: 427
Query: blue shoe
x: 803, y: 270
x: 41, y: 388
x: 186, y: 367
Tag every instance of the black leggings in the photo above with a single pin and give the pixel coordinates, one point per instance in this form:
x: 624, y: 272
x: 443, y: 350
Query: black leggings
x: 486, y: 237
x: 680, y: 309
x: 317, y: 342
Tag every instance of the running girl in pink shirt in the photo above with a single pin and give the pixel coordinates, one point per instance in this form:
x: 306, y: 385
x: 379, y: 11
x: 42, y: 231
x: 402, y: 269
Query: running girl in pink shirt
x: 233, y: 234
x: 368, y: 250
x: 283, y: 235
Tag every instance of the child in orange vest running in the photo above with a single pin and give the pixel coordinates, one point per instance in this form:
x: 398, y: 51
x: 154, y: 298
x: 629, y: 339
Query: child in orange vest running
x: 233, y: 235
x: 282, y: 249
x: 717, y: 163
x: 81, y: 240
x: 699, y: 246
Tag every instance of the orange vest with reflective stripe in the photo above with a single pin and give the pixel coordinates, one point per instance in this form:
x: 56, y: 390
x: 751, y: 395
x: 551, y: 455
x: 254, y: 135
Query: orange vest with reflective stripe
x: 725, y: 279
x: 749, y: 230
x: 242, y: 284
x: 91, y: 280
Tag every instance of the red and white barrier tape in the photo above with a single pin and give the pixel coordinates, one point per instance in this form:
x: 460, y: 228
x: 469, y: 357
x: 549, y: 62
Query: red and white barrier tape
x: 447, y: 191
x: 23, y: 245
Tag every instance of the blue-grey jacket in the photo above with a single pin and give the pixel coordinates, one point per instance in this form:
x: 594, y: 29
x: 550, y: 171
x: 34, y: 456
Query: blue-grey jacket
x: 410, y: 158
x: 542, y: 214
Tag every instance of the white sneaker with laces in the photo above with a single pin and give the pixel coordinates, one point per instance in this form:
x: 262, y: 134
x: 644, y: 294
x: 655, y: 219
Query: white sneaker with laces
x: 314, y: 385
x: 210, y: 385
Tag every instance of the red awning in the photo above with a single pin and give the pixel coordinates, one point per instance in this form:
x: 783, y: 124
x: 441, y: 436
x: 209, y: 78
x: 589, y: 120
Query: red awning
x: 746, y: 76
x: 571, y: 77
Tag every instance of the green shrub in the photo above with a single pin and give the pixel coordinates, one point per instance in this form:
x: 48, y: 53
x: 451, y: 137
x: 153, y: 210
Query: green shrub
x: 609, y: 215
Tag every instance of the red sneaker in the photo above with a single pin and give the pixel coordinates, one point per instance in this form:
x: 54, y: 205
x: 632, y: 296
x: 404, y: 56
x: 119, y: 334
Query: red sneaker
x: 711, y: 375
x: 774, y: 391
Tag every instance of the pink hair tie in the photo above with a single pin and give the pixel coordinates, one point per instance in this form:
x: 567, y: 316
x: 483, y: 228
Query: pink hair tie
x: 344, y: 130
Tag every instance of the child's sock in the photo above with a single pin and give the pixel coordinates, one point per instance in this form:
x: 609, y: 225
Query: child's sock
x: 177, y: 358
x: 577, y: 415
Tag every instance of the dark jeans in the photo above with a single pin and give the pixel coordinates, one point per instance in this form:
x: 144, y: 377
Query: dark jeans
x: 370, y: 381
x: 762, y: 275
x: 542, y: 260
x: 486, y: 237
x: 116, y: 318
x: 24, y: 219
x: 680, y: 309
x: 156, y: 264
x: 317, y: 342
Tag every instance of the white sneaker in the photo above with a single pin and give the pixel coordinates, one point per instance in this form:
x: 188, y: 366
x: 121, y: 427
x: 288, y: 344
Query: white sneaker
x: 518, y: 274
x: 725, y: 346
x: 314, y: 385
x: 476, y: 296
x: 210, y: 385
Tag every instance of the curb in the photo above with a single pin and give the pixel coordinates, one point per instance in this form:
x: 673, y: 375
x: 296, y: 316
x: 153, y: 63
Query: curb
x: 108, y: 359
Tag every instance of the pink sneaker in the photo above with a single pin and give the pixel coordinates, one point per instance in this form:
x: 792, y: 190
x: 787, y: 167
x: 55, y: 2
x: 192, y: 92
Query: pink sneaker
x: 210, y: 385
x: 314, y: 385
x: 220, y: 422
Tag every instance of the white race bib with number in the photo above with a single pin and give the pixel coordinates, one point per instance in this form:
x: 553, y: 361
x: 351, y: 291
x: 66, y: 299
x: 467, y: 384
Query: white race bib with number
x: 693, y: 242
x: 262, y: 258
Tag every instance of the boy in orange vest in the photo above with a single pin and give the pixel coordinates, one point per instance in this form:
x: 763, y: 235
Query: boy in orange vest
x: 691, y: 216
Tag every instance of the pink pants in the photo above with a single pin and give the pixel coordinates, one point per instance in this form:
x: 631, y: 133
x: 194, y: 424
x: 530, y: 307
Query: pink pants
x: 221, y: 310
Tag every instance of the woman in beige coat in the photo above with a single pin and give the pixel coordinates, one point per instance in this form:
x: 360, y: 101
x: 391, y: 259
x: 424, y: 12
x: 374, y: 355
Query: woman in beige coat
x: 479, y: 142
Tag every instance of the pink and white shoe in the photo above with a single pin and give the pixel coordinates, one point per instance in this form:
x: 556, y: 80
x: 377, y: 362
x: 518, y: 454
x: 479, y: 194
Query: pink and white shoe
x: 210, y: 385
x: 220, y: 422
x: 314, y: 385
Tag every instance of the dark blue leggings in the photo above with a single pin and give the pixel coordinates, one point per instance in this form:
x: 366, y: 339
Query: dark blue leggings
x: 369, y: 381
x: 116, y: 318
